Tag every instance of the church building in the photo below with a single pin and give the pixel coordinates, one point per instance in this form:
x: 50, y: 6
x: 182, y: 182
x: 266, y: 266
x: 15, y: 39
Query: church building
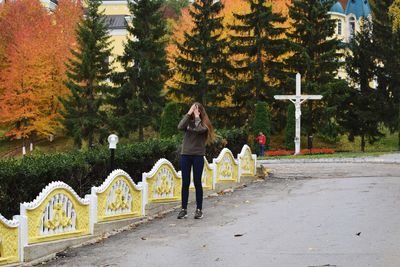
x: 348, y: 14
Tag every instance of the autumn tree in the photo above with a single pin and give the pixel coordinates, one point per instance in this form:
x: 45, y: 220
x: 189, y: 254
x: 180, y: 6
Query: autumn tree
x: 88, y: 71
x: 394, y: 12
x: 33, y: 73
x: 201, y: 71
x: 24, y: 101
x: 315, y: 55
x: 257, y: 41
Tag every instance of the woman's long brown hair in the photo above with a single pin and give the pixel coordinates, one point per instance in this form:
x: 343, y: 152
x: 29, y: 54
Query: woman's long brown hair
x: 205, y: 120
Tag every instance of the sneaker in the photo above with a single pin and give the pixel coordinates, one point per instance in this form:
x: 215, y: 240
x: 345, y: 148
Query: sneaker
x: 198, y: 214
x: 182, y: 214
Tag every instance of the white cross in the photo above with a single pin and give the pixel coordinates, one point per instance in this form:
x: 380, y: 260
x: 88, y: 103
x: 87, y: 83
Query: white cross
x: 297, y: 100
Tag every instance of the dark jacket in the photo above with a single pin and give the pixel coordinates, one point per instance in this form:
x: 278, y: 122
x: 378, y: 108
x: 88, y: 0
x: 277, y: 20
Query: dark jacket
x: 194, y: 141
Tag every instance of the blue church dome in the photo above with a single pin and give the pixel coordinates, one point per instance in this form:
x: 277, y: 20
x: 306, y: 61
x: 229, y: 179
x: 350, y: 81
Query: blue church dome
x: 337, y: 8
x: 360, y: 8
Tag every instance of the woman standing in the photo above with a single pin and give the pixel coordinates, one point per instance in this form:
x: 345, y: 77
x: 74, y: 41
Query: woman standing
x: 198, y: 133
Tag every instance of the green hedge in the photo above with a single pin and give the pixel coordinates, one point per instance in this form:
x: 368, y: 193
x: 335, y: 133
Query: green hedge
x: 23, y: 179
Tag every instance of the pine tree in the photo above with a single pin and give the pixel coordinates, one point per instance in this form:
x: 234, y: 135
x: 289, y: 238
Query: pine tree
x: 258, y: 46
x: 87, y: 73
x: 360, y: 111
x: 387, y: 44
x: 290, y: 127
x: 202, y: 61
x: 138, y: 100
x: 169, y: 120
x: 262, y: 122
x: 315, y: 56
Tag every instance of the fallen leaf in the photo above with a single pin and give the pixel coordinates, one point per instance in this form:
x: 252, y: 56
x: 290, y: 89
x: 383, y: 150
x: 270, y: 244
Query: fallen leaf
x: 359, y: 233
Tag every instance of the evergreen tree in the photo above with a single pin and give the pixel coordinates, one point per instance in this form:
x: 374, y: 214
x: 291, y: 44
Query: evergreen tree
x: 87, y: 72
x: 138, y: 102
x: 262, y: 122
x: 258, y: 46
x: 387, y: 44
x: 360, y: 115
x: 202, y: 61
x: 169, y: 120
x: 315, y: 56
x: 290, y: 127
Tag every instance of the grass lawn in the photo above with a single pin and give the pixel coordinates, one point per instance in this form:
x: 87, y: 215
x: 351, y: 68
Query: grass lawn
x: 388, y: 143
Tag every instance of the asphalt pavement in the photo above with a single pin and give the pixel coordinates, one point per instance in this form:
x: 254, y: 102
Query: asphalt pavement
x: 306, y: 214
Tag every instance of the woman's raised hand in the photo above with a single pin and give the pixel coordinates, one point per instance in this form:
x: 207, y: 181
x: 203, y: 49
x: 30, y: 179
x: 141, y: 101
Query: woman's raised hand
x: 191, y: 110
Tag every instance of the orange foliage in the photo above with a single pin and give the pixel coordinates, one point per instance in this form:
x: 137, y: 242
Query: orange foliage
x: 36, y: 49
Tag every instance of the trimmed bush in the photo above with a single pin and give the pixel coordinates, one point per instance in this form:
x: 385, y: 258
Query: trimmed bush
x: 262, y: 123
x: 169, y: 120
x: 235, y: 139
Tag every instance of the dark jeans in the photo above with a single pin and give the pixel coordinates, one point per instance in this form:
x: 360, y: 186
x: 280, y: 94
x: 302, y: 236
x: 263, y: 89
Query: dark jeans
x: 187, y: 162
x: 262, y: 147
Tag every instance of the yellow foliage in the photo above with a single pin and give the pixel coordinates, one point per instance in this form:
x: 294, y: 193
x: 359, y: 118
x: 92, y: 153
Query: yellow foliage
x: 394, y: 12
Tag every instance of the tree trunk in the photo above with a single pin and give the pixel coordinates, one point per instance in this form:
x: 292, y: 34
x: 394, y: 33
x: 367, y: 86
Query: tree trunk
x: 362, y: 143
x: 23, y: 147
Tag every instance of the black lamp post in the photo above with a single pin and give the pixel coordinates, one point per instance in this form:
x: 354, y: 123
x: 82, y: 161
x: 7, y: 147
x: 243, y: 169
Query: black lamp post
x: 112, y: 141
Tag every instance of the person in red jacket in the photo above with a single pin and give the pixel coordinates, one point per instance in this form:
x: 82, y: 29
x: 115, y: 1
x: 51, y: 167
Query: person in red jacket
x: 261, y: 140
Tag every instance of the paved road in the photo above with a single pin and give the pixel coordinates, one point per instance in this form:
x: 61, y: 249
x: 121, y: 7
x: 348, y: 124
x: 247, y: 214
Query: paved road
x: 306, y: 215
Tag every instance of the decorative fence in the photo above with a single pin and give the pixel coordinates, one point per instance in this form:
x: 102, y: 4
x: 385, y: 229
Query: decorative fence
x: 117, y: 198
x: 58, y: 213
x: 9, y: 241
x: 226, y: 167
x: 247, y: 162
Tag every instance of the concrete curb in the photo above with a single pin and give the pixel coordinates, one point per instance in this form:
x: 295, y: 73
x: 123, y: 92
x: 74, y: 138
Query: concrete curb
x: 331, y: 160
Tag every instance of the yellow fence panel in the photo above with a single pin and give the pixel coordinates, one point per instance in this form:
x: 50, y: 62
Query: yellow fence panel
x: 9, y: 241
x: 118, y: 198
x: 226, y: 167
x: 247, y: 162
x: 57, y: 213
x: 163, y: 183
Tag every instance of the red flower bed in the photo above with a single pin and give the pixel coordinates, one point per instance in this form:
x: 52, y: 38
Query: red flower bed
x: 272, y: 153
